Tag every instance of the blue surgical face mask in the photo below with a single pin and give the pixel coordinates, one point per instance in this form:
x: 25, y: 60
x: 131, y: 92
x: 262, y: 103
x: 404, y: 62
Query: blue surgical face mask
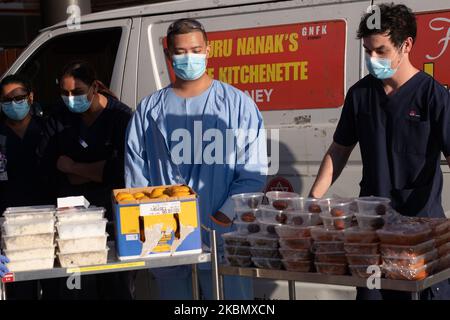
x: 190, y: 66
x: 77, y: 104
x: 381, y: 68
x: 16, y: 110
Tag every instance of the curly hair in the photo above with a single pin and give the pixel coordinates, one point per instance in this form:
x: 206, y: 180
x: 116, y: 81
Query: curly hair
x: 397, y: 21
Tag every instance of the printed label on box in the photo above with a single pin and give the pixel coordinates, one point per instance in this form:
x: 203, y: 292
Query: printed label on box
x: 150, y: 209
x: 132, y: 237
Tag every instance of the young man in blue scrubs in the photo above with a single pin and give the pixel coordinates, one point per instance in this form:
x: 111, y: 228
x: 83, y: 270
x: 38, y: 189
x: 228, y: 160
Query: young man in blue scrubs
x: 197, y: 112
x: 400, y: 117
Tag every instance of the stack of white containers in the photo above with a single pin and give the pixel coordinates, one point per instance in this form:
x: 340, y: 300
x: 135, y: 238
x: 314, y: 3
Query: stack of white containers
x: 82, y: 237
x: 28, y: 237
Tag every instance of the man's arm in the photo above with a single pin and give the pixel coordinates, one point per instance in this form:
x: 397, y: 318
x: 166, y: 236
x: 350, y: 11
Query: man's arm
x: 332, y: 165
x: 89, y: 171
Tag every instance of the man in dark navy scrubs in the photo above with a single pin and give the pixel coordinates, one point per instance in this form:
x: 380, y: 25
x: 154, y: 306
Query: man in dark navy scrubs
x: 400, y: 117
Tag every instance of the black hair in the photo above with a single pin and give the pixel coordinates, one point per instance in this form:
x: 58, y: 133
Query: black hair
x: 397, y: 21
x: 183, y: 26
x: 17, y: 79
x: 81, y: 70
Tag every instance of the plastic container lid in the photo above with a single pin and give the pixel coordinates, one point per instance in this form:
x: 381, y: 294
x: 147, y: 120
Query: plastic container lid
x: 30, y: 209
x: 405, y: 250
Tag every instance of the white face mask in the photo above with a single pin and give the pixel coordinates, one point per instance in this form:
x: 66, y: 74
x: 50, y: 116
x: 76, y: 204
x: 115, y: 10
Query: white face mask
x: 381, y: 68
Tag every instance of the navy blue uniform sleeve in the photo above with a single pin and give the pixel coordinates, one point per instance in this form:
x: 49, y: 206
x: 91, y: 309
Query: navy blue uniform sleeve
x: 113, y: 172
x: 442, y: 104
x: 346, y: 134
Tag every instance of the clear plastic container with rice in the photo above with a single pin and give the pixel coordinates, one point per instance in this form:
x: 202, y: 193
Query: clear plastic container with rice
x: 25, y: 217
x: 82, y: 244
x: 84, y: 229
x: 80, y: 215
x: 29, y: 241
x: 373, y: 205
x: 30, y: 254
x: 31, y: 265
x: 28, y: 227
x: 281, y: 200
x: 91, y: 258
x: 247, y: 200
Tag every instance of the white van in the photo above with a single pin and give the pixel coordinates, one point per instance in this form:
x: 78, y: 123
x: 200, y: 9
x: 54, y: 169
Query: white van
x: 295, y: 58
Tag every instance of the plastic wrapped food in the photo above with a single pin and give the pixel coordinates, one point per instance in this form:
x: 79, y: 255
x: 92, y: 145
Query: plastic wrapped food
x: 297, y: 265
x: 237, y: 250
x: 404, y: 234
x: 361, y: 271
x: 368, y: 259
x: 263, y: 263
x: 407, y: 251
x: 410, y: 261
x: 239, y: 261
x: 280, y: 200
x: 17, y: 217
x: 247, y: 200
x: 29, y: 227
x: 373, y: 205
x: 245, y: 228
x: 80, y: 215
x: 302, y: 254
x: 331, y: 257
x: 83, y: 258
x: 369, y: 222
x: 328, y: 246
x: 235, y: 239
x: 322, y: 234
x: 30, y: 254
x: 335, y: 207
x: 285, y: 231
x: 443, y: 239
x: 361, y: 248
x: 356, y: 235
x: 43, y: 208
x: 444, y: 249
x: 247, y: 215
x: 82, y: 244
x: 338, y: 223
x: 296, y: 243
x: 263, y: 241
x: 74, y: 230
x: 401, y: 273
x: 29, y: 241
x: 31, y: 265
x: 271, y: 253
x: 331, y: 268
x: 268, y: 228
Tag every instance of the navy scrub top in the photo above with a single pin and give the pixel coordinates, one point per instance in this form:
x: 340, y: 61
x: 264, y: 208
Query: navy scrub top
x: 401, y: 138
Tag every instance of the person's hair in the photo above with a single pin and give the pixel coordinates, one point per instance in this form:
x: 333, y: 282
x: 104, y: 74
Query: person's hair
x: 17, y: 79
x: 183, y: 26
x: 397, y: 21
x: 81, y: 70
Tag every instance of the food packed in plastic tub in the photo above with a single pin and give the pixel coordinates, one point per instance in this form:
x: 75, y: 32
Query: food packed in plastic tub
x: 337, y: 223
x: 331, y: 257
x: 270, y: 253
x: 404, y: 234
x: 295, y: 265
x: 444, y: 249
x: 360, y: 271
x: 33, y: 241
x: 373, y: 205
x: 361, y: 248
x: 80, y: 259
x: 280, y: 200
x: 288, y: 217
x: 443, y: 239
x: 322, y: 234
x: 311, y: 205
x: 296, y: 243
x: 73, y: 230
x: 237, y: 250
x: 235, y: 239
x: 402, y: 273
x: 411, y: 262
x: 30, y: 208
x: 82, y: 244
x: 247, y: 200
x: 268, y: 228
x: 263, y: 241
x: 264, y: 263
x: 328, y: 246
x: 80, y: 215
x: 357, y: 235
x: 17, y: 217
x: 239, y: 261
x: 338, y: 269
x: 247, y: 215
x: 439, y: 226
x: 286, y: 231
x: 407, y: 251
x: 369, y: 222
x: 31, y: 265
x: 443, y: 263
x: 367, y: 259
x: 335, y: 207
x: 246, y: 227
x: 30, y: 254
x: 301, y: 254
x: 28, y: 227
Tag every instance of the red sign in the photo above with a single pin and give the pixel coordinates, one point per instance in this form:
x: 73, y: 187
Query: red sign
x: 295, y: 66
x: 431, y: 52
x: 8, y: 278
x: 279, y: 184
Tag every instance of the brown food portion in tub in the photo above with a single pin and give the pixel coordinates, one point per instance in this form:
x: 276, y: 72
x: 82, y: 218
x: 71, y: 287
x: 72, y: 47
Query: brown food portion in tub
x: 298, y: 221
x: 314, y: 208
x: 248, y: 217
x: 253, y: 228
x: 335, y: 212
x: 281, y: 218
x: 280, y: 204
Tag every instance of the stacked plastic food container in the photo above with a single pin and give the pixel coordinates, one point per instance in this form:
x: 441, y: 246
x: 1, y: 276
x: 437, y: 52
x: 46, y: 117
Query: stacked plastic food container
x: 28, y: 237
x: 82, y: 237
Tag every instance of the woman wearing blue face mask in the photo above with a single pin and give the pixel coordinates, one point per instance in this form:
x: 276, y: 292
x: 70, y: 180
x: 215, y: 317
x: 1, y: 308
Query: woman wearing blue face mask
x: 23, y: 179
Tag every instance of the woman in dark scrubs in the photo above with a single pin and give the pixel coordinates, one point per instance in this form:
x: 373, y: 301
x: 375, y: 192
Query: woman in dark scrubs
x: 88, y: 135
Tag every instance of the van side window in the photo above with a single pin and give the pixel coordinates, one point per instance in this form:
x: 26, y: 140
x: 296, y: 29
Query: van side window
x: 98, y: 47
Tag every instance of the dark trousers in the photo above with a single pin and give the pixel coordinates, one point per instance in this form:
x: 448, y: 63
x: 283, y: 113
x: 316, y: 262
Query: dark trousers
x: 27, y: 290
